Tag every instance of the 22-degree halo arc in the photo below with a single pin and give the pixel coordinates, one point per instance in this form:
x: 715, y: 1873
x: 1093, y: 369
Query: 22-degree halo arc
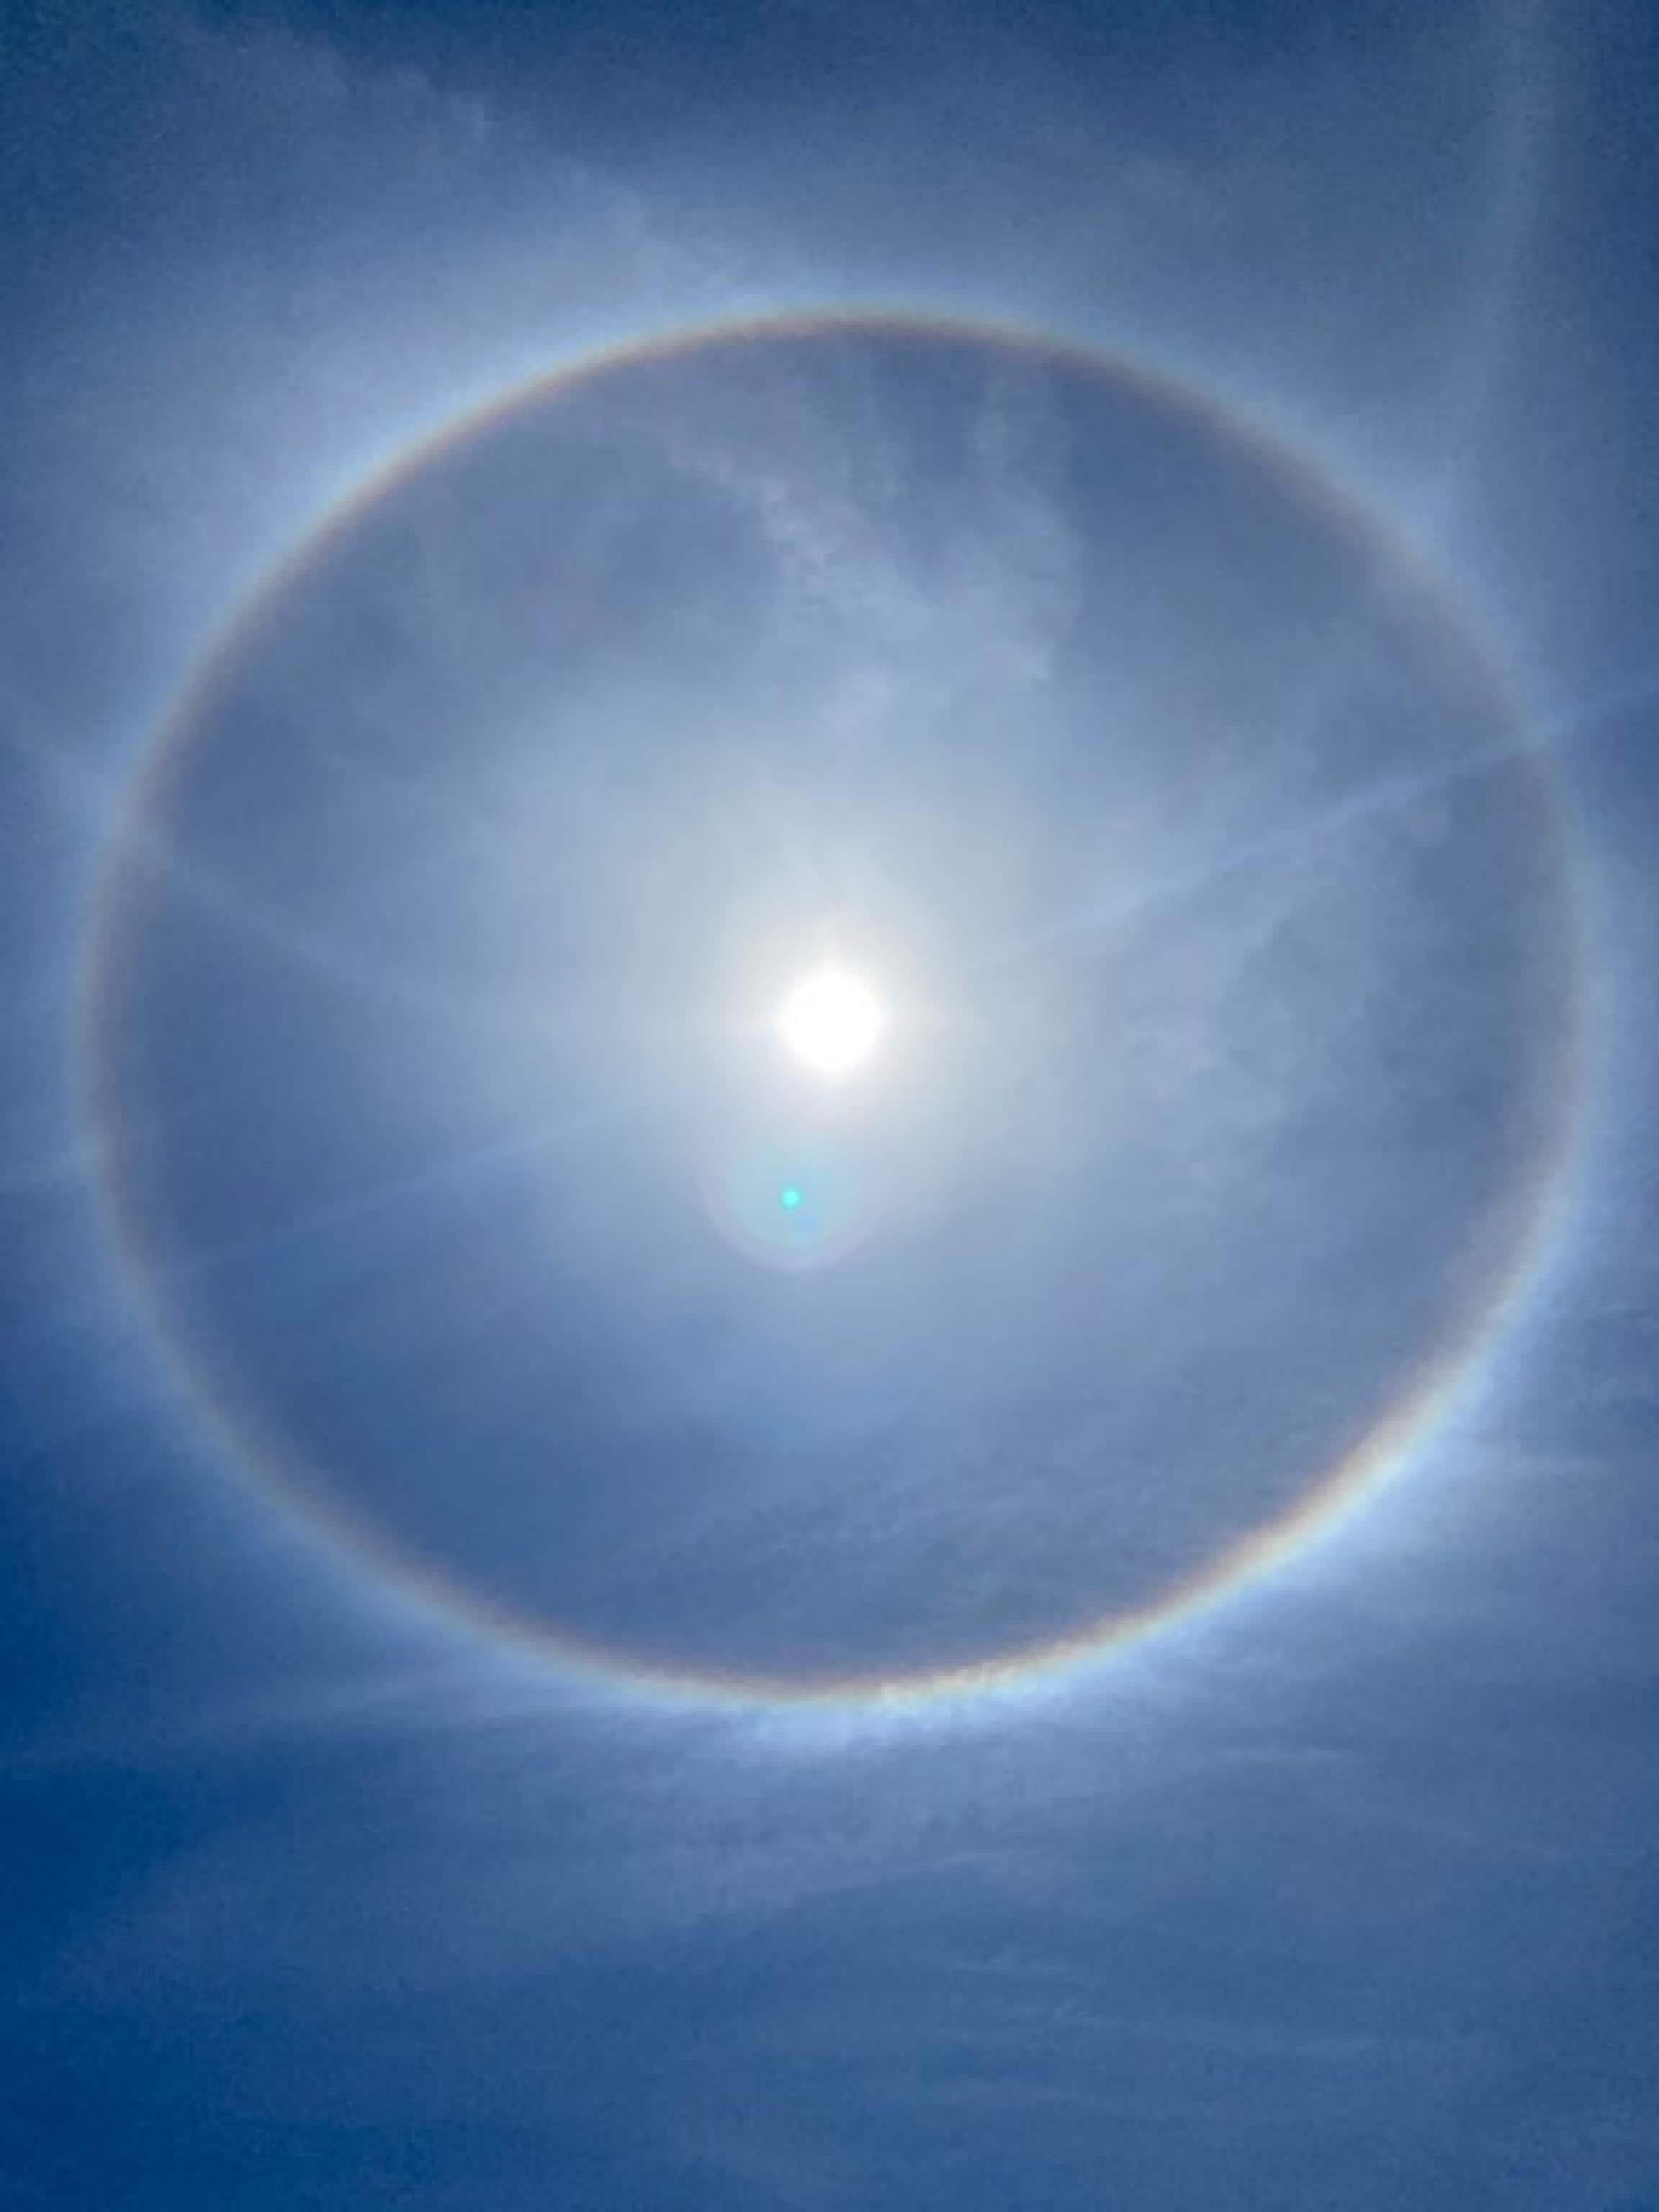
x: 1432, y: 1386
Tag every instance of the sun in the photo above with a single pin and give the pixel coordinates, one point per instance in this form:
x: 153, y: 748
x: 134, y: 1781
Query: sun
x: 830, y: 1021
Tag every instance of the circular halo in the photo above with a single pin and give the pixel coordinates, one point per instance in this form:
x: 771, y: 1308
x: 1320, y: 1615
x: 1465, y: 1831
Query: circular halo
x: 1513, y: 1254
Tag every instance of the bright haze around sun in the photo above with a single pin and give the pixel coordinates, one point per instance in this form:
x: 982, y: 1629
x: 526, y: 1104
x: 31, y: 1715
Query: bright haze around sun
x: 831, y: 1022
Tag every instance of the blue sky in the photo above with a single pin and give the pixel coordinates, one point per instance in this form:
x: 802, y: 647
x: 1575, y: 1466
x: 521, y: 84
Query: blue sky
x: 1104, y: 1656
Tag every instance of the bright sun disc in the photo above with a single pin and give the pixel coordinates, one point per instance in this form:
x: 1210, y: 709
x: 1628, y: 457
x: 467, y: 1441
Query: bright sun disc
x: 830, y: 1021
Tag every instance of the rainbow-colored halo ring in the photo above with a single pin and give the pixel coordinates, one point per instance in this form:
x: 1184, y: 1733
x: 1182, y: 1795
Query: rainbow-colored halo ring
x: 170, y: 877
